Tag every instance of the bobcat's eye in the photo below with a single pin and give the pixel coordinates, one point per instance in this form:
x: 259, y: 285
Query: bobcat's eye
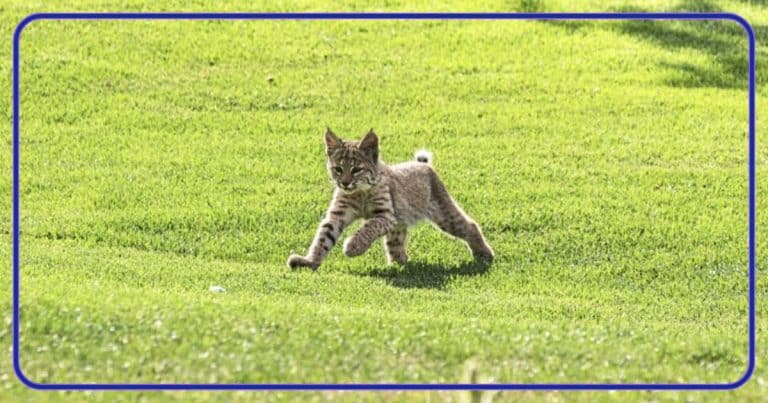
x: 356, y: 170
x: 338, y: 170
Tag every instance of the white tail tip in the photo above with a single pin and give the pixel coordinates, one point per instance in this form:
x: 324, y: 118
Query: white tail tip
x: 423, y: 156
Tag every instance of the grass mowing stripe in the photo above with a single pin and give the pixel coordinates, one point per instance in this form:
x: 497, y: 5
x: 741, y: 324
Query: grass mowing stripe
x: 222, y: 319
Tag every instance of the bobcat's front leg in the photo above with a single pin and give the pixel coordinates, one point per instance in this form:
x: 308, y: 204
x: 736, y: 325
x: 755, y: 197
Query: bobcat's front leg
x: 339, y: 215
x: 377, y: 226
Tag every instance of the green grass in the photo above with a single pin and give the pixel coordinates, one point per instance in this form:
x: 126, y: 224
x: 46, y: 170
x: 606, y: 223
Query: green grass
x: 605, y: 161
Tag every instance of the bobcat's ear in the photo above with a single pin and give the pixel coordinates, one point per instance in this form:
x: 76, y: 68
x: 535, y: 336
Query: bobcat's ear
x: 370, y: 145
x: 331, y: 141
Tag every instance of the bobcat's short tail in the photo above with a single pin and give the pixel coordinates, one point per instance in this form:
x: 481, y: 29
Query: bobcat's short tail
x: 423, y: 156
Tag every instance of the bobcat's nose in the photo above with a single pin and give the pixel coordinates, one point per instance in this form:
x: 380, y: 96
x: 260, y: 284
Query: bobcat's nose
x: 345, y: 184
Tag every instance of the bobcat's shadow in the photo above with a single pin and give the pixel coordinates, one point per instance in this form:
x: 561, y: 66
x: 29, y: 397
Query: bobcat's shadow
x: 427, y: 275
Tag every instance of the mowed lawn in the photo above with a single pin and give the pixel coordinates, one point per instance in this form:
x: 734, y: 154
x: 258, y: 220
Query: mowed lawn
x: 605, y: 161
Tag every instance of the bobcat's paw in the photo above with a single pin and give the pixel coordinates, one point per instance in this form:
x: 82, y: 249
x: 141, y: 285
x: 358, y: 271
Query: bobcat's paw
x: 400, y: 258
x: 485, y: 256
x: 353, y: 247
x: 295, y: 261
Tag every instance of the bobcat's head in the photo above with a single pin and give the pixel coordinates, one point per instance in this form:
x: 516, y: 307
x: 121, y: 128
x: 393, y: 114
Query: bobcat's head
x: 353, y: 165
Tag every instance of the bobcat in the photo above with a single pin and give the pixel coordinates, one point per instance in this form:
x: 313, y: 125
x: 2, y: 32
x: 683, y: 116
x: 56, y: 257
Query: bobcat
x: 390, y: 198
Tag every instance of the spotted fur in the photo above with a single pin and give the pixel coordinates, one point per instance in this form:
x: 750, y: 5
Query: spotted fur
x: 390, y: 198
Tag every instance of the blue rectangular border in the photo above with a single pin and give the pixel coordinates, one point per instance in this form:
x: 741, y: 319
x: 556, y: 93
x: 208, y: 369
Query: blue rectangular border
x: 386, y: 16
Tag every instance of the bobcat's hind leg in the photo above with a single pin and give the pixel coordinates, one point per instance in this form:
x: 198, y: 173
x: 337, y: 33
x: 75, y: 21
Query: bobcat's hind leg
x: 449, y: 217
x: 463, y: 227
x: 394, y: 244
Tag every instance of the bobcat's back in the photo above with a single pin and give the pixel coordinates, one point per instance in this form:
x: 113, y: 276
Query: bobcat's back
x: 411, y: 186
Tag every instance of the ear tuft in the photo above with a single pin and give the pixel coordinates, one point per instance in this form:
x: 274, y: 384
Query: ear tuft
x: 331, y: 141
x: 370, y: 145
